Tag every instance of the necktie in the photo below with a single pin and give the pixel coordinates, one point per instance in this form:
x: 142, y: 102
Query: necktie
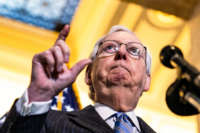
x: 122, y: 124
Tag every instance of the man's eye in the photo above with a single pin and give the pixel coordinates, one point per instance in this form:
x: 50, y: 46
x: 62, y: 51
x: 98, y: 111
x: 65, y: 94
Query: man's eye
x: 134, y: 51
x: 110, y: 48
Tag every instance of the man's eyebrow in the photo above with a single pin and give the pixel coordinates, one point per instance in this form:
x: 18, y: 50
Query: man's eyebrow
x: 120, y: 41
x: 124, y: 43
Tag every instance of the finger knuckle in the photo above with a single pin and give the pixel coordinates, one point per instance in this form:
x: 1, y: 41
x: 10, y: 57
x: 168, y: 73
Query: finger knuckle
x: 60, y: 42
x: 46, y: 53
x: 67, y: 49
x: 35, y: 56
x: 56, y: 49
x: 51, y: 61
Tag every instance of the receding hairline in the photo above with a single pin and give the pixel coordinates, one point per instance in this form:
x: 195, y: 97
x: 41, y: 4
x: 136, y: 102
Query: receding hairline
x: 129, y: 32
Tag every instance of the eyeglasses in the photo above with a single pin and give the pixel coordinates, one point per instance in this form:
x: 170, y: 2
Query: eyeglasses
x: 110, y: 47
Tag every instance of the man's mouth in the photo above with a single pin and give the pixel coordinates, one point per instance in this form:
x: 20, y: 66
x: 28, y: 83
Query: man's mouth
x: 120, y: 66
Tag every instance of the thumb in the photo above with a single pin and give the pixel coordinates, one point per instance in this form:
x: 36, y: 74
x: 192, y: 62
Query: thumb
x: 79, y: 66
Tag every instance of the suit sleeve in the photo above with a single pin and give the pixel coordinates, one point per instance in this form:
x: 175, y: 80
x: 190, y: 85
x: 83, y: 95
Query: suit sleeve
x: 15, y: 123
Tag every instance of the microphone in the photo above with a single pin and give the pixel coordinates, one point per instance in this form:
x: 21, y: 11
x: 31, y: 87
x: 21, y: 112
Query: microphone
x: 171, y: 56
x: 186, y: 84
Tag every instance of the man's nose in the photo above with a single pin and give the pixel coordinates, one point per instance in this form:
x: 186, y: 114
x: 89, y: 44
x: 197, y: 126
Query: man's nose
x: 121, y: 53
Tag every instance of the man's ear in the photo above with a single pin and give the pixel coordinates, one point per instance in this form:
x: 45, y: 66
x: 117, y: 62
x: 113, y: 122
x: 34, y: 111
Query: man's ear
x: 88, y: 80
x: 147, y: 82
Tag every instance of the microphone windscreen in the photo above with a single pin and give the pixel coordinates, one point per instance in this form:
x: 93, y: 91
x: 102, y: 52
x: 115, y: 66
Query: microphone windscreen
x: 167, y: 53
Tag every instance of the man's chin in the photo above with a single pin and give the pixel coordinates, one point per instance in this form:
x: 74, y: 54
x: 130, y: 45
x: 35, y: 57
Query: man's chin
x: 118, y: 82
x: 123, y: 108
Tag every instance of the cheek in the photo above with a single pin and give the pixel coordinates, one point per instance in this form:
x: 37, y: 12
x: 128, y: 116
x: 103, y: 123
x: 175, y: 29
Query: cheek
x: 138, y: 72
x: 101, y: 66
x: 99, y: 71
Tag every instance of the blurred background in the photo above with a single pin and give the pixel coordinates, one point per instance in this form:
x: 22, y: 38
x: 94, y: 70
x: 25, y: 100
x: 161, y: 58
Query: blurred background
x: 28, y: 27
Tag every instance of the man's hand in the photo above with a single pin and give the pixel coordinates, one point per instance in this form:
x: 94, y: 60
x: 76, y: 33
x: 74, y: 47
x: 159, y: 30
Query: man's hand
x: 50, y: 75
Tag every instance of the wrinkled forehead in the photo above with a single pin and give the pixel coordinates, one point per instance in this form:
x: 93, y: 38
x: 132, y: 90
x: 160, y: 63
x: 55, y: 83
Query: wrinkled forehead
x: 122, y: 36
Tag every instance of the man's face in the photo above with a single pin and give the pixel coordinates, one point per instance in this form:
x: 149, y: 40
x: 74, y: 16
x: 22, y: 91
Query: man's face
x: 119, y: 79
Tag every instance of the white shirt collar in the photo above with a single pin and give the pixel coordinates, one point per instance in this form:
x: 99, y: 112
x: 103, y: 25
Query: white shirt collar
x: 105, y: 112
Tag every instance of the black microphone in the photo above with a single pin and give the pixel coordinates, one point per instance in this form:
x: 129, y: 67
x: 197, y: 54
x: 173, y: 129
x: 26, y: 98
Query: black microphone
x: 188, y: 81
x: 175, y: 99
x: 171, y: 56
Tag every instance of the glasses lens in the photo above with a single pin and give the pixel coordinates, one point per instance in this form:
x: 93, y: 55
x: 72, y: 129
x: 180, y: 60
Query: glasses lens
x: 108, y: 47
x: 135, y: 49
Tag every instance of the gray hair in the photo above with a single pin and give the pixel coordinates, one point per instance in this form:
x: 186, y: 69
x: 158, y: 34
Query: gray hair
x: 116, y: 29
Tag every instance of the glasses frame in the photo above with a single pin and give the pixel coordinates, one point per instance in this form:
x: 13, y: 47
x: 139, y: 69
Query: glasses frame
x: 120, y: 43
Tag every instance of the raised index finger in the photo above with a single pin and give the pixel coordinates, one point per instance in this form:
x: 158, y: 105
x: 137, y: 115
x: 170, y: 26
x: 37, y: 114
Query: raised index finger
x: 63, y: 33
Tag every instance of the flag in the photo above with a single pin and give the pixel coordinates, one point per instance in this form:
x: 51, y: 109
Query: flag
x: 65, y: 101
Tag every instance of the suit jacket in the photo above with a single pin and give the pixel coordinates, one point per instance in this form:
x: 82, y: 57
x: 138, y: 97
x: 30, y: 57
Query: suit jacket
x: 83, y: 121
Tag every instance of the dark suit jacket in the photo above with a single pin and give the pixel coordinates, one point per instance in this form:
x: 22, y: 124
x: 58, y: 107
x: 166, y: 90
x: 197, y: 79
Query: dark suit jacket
x: 84, y: 121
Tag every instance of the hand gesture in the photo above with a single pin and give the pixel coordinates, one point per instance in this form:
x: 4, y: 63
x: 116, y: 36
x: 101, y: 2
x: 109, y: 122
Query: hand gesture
x: 50, y: 74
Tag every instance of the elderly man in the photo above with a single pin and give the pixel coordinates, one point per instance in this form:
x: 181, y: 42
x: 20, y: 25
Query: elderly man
x: 118, y: 72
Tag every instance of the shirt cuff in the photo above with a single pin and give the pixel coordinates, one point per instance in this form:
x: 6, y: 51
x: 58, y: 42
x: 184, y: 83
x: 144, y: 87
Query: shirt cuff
x: 25, y: 108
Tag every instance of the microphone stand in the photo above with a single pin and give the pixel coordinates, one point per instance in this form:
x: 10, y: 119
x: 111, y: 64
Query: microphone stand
x: 189, y: 96
x: 193, y: 100
x: 189, y: 88
x: 192, y: 78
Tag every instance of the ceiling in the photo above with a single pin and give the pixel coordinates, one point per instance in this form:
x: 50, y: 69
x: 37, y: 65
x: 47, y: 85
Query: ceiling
x: 180, y: 8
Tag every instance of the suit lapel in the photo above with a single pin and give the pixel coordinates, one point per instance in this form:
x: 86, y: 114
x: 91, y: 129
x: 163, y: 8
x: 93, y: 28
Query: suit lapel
x: 145, y: 128
x: 91, y: 120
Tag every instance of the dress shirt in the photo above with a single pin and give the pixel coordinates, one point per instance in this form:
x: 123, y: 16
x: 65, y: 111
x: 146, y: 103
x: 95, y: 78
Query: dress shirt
x: 107, y: 114
x: 25, y: 108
